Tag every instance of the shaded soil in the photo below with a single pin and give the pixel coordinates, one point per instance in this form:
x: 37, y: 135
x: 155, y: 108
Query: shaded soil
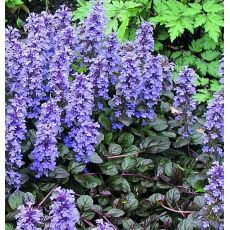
x: 35, y: 6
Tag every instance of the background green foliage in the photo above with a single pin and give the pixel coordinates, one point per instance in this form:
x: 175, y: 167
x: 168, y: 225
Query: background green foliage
x: 188, y: 32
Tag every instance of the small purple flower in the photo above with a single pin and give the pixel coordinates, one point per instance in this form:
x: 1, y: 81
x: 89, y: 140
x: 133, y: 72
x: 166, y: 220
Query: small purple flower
x: 45, y: 150
x: 184, y: 102
x: 29, y: 218
x: 63, y: 213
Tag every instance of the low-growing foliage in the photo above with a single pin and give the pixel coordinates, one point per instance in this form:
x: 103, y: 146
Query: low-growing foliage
x: 100, y: 136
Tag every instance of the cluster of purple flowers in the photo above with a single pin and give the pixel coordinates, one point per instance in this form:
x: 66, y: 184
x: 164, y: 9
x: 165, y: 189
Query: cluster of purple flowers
x: 79, y: 100
x: 214, y: 126
x: 214, y: 198
x: 15, y: 129
x: 102, y: 225
x: 184, y: 102
x: 111, y: 52
x: 139, y: 84
x: 63, y: 213
x: 83, y: 139
x: 29, y: 218
x: 98, y: 72
x: 13, y: 50
x: 90, y: 34
x: 45, y: 150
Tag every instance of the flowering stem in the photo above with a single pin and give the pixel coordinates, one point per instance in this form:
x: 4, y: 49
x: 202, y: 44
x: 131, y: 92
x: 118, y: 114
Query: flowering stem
x: 120, y: 156
x: 177, y: 211
x: 88, y: 222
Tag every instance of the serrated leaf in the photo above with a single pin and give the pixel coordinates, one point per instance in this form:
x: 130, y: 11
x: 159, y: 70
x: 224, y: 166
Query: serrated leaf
x: 200, y: 20
x: 114, y: 212
x: 213, y: 68
x: 176, y: 30
x: 210, y: 55
x: 16, y: 199
x: 126, y: 139
x: 212, y: 6
x: 85, y: 202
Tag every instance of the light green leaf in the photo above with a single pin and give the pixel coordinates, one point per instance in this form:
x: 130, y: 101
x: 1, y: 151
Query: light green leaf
x: 123, y: 26
x: 16, y: 199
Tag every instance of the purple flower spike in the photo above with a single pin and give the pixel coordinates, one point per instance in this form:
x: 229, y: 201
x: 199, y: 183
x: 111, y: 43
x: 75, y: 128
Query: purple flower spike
x: 91, y: 33
x: 63, y: 213
x: 214, y: 126
x: 79, y: 100
x: 184, y: 102
x: 82, y: 140
x: 45, y: 151
x: 15, y: 134
x: 213, y: 210
x: 111, y: 51
x: 29, y: 218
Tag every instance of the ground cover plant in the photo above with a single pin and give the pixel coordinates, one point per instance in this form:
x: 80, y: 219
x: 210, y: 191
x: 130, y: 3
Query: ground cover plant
x: 99, y: 134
